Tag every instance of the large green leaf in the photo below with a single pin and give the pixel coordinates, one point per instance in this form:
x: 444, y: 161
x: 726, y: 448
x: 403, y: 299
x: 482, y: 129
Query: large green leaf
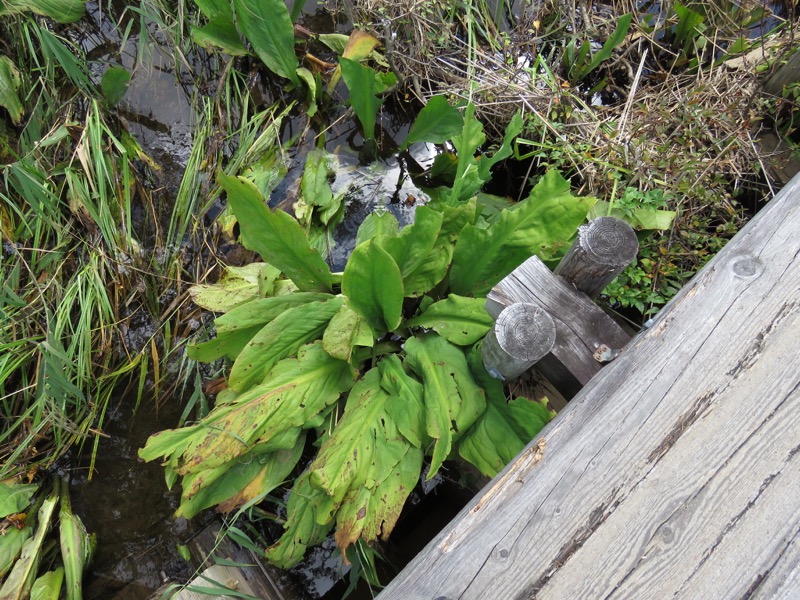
x: 267, y: 26
x: 9, y: 84
x: 297, y: 390
x: 280, y: 338
x: 11, y: 543
x: 114, y: 84
x: 412, y: 247
x: 316, y: 187
x: 368, y: 466
x: 15, y: 497
x: 377, y: 223
x: 364, y: 83
x: 459, y: 320
x: 436, y: 123
x: 302, y: 528
x: 373, y: 284
x: 540, y: 225
x: 220, y: 31
x: 406, y: 407
x: 229, y: 345
x: 453, y: 401
x: 276, y: 236
x: 48, y: 586
x: 505, y: 428
x: 262, y: 311
x: 63, y: 11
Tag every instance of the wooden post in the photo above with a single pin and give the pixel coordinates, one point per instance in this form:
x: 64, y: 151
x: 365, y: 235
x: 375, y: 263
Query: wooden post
x: 581, y: 326
x: 522, y: 334
x: 788, y: 73
x: 605, y: 246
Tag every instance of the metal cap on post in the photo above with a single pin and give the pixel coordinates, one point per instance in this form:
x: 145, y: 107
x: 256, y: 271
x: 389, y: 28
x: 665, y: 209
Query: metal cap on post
x: 522, y: 335
x: 605, y: 246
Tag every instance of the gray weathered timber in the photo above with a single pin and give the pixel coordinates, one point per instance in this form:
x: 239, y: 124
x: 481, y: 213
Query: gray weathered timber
x: 675, y: 473
x: 253, y: 577
x: 521, y: 335
x: 602, y: 250
x: 581, y: 325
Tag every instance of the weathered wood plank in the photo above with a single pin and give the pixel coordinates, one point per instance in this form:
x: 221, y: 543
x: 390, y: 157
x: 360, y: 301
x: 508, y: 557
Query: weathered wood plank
x: 675, y: 471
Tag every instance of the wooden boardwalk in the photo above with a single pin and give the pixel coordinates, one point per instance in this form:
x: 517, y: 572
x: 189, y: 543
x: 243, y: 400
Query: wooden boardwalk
x: 674, y: 473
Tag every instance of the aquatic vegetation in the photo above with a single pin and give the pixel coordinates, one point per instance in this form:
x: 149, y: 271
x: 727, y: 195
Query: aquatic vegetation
x: 398, y: 333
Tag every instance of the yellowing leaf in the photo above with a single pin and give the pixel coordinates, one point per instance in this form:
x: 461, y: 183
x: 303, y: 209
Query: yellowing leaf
x: 453, y: 401
x: 297, y: 390
x: 280, y: 338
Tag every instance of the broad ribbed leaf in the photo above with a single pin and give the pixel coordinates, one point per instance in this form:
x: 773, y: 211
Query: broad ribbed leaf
x: 505, y: 428
x: 364, y: 83
x: 315, y: 186
x: 262, y: 311
x: 359, y: 465
x: 220, y: 32
x: 11, y: 544
x: 297, y: 390
x: 9, y: 84
x: 412, y: 247
x: 114, y: 84
x: 63, y: 11
x: 280, y: 338
x: 459, y: 320
x: 346, y: 330
x: 406, y: 407
x: 234, y: 484
x: 267, y: 26
x: 276, y: 236
x: 436, y: 123
x: 377, y: 223
x: 539, y: 226
x: 48, y: 586
x: 15, y: 497
x: 453, y: 401
x: 371, y: 513
x: 373, y: 284
x: 302, y: 528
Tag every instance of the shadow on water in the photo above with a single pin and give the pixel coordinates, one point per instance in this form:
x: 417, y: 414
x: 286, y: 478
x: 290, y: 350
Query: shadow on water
x: 126, y: 504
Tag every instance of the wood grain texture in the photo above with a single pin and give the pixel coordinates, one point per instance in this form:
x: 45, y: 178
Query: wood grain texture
x: 674, y: 473
x: 581, y: 325
x: 522, y: 334
x: 602, y: 250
